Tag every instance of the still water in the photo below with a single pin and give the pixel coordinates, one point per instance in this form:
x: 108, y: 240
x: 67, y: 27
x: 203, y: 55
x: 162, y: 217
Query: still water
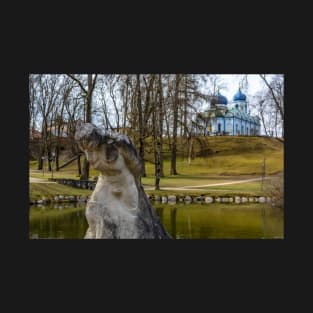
x: 182, y: 221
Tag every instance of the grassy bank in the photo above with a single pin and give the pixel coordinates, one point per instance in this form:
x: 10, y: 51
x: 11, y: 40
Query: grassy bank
x: 39, y: 190
x: 216, y: 160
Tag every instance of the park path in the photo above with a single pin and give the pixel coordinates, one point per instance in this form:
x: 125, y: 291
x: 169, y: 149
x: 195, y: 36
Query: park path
x: 40, y: 180
x: 208, y: 185
x: 198, y: 187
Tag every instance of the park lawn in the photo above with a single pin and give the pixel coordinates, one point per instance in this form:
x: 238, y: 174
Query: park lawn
x: 231, y: 158
x: 238, y: 164
x: 39, y: 190
x: 253, y: 188
x: 49, y: 190
x: 70, y: 172
x: 192, y: 181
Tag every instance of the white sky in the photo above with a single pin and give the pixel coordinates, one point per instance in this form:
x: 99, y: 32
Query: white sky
x: 232, y: 83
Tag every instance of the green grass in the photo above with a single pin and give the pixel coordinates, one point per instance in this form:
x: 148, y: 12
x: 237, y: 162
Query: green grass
x: 253, y: 188
x: 231, y: 158
x: 38, y: 190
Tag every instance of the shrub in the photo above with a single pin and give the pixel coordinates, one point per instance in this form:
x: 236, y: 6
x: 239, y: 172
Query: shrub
x: 275, y: 189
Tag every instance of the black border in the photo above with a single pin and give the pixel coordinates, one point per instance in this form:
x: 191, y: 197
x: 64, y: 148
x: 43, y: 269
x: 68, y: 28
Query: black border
x: 131, y: 51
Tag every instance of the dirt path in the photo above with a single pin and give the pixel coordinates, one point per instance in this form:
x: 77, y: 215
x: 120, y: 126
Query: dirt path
x: 198, y: 187
x: 208, y: 185
x: 40, y: 180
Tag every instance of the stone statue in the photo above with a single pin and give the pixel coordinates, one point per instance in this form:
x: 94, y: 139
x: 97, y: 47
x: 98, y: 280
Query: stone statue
x: 118, y: 206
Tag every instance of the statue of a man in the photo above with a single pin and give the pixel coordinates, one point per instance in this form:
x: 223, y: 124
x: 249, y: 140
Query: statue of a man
x: 118, y: 207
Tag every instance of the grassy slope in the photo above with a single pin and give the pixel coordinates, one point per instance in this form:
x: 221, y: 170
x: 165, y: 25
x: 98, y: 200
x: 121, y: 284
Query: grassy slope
x: 231, y: 158
x: 37, y: 190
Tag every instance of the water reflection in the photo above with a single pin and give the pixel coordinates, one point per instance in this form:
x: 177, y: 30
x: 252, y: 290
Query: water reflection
x: 218, y: 221
x: 173, y: 222
x: 57, y: 222
x: 182, y: 221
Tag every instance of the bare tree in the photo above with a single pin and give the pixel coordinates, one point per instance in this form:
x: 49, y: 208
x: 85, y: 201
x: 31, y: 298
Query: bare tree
x: 157, y: 122
x: 276, y: 94
x: 47, y: 96
x: 87, y: 93
x: 59, y: 115
x: 175, y: 107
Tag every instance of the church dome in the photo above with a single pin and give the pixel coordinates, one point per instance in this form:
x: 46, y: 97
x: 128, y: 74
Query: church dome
x: 239, y: 96
x: 219, y: 99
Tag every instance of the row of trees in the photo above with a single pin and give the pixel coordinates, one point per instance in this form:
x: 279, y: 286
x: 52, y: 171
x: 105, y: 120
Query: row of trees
x: 158, y: 106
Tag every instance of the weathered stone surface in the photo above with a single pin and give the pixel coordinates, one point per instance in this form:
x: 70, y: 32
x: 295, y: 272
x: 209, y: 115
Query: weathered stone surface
x: 118, y: 206
x: 157, y: 198
x: 187, y: 199
x: 244, y: 199
x: 208, y: 199
x: 82, y: 199
x: 45, y: 199
x: 197, y: 199
x: 172, y: 198
x: 237, y: 200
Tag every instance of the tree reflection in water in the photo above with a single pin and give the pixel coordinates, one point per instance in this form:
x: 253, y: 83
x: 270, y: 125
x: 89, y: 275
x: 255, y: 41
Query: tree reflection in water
x: 182, y: 221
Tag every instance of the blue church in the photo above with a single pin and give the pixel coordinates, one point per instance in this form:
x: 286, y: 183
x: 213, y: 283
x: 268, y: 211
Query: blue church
x: 230, y: 118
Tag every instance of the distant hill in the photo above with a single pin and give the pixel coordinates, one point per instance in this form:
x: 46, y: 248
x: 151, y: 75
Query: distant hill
x: 226, y: 145
x: 227, y: 155
x: 219, y: 155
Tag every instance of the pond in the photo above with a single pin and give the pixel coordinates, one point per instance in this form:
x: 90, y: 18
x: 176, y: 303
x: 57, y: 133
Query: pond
x: 182, y: 221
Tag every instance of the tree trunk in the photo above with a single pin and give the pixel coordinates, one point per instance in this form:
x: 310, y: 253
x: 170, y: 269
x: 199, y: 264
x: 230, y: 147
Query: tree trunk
x: 175, y: 118
x: 157, y: 167
x: 85, y: 171
x: 161, y: 110
x: 141, y: 126
x: 158, y: 133
x: 185, y: 108
x: 40, y: 162
x: 190, y: 142
x: 276, y: 123
x: 262, y: 119
x: 91, y: 81
x: 79, y: 167
x: 125, y: 105
x: 88, y: 106
x: 156, y: 150
x: 57, y: 153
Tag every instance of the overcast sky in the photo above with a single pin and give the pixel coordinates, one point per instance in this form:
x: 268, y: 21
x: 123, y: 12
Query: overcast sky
x: 232, y: 83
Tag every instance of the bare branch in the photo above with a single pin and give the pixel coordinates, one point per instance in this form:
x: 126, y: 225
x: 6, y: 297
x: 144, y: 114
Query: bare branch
x: 78, y: 82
